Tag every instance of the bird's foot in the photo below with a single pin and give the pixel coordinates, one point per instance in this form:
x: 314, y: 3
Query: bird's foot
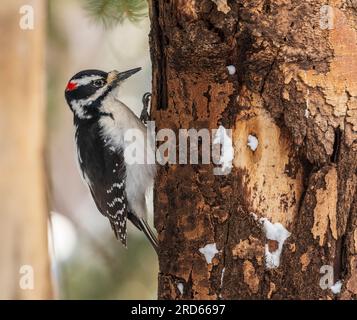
x: 145, y: 117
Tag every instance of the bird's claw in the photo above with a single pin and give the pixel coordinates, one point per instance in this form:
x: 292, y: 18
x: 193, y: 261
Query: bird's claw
x: 145, y: 117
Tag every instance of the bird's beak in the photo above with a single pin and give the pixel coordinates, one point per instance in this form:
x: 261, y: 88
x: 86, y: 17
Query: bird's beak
x: 115, y: 76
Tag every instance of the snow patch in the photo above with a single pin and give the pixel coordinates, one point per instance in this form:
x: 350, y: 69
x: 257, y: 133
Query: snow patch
x: 252, y: 142
x: 231, y: 69
x: 180, y: 287
x: 275, y: 232
x: 222, y: 276
x: 336, y: 288
x: 307, y: 112
x: 227, y: 153
x: 209, y: 251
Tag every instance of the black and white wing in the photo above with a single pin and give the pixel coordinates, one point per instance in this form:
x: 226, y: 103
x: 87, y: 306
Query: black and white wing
x: 103, y: 169
x: 109, y: 194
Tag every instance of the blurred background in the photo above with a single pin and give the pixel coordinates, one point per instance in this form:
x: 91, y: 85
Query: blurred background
x: 85, y: 260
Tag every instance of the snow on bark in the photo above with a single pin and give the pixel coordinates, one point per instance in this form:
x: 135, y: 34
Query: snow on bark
x: 336, y: 288
x: 209, y: 251
x: 231, y: 69
x: 253, y: 142
x: 274, y: 232
x: 227, y: 153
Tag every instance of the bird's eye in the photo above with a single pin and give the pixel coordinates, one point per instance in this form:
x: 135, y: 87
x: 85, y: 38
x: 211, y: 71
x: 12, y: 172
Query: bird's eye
x: 99, y: 83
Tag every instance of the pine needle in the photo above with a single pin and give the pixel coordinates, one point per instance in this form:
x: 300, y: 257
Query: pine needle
x: 112, y: 12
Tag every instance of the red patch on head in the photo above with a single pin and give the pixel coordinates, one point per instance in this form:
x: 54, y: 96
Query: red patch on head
x: 71, y: 86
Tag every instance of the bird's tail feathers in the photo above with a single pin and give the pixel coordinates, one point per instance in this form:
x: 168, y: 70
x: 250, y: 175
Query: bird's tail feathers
x: 119, y: 234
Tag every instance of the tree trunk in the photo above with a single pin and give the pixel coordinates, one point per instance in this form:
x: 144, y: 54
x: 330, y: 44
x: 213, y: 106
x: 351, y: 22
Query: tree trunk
x: 294, y: 94
x: 24, y: 261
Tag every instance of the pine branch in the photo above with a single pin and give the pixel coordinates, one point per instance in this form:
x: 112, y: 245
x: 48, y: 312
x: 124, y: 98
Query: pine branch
x: 112, y: 12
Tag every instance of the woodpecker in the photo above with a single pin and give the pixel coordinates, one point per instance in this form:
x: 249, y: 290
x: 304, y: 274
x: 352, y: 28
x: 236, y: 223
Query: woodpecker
x: 100, y: 121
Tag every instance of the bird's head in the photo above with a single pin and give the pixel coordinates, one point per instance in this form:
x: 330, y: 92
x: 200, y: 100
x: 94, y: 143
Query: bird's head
x: 87, y: 89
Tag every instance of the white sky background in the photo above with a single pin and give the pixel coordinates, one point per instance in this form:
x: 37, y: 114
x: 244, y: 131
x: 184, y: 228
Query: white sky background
x: 90, y: 46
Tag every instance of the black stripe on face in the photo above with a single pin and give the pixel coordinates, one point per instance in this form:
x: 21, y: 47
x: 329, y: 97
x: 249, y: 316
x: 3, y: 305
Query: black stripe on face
x: 84, y: 91
x: 90, y: 109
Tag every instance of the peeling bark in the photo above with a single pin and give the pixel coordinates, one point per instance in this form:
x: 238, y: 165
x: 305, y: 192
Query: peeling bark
x: 295, y: 90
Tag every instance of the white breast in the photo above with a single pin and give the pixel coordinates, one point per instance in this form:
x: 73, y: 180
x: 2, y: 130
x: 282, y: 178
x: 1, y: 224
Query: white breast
x: 139, y: 177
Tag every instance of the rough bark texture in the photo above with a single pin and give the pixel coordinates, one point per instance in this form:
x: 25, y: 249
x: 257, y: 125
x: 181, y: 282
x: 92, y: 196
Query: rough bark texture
x: 23, y: 207
x: 295, y: 89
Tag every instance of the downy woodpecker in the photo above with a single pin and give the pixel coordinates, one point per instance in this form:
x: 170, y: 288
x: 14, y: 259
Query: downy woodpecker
x: 101, y: 120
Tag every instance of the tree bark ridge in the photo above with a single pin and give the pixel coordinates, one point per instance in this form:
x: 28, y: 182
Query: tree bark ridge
x: 295, y: 91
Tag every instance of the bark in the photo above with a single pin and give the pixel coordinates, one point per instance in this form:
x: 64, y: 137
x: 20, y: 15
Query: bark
x: 295, y: 89
x: 23, y: 209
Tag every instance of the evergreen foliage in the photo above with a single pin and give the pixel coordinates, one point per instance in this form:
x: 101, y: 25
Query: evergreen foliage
x: 112, y: 12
